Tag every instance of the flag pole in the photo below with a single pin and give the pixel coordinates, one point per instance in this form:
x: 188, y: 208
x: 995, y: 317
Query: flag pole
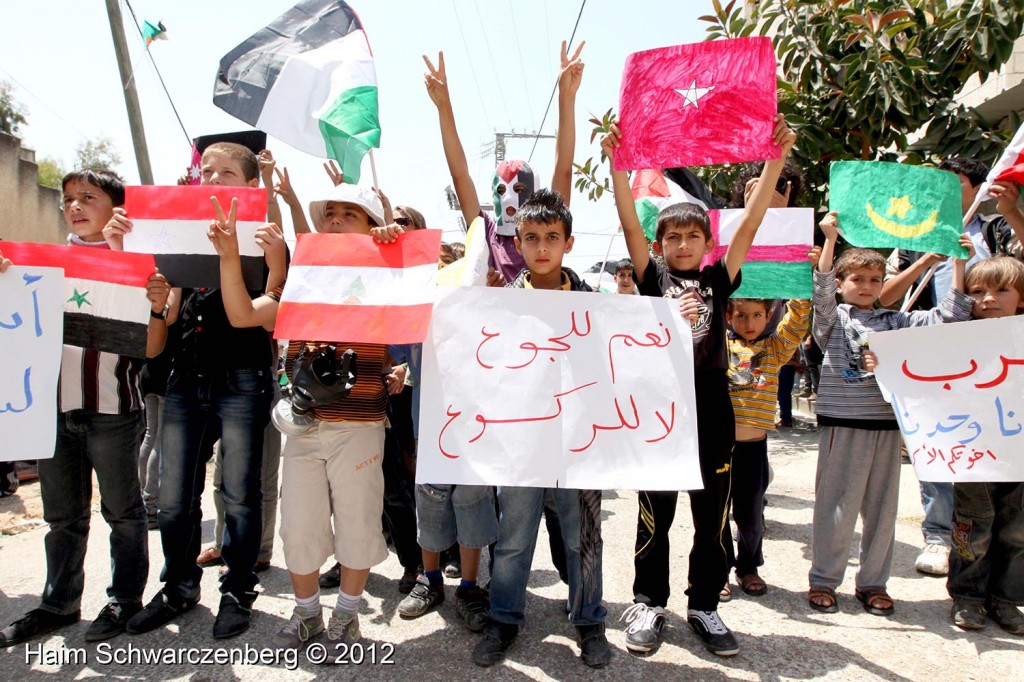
x: 931, y: 271
x: 373, y: 170
x: 605, y: 262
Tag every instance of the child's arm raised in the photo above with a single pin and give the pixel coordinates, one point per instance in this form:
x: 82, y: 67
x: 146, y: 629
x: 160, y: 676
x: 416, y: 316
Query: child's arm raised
x: 960, y: 264
x: 636, y: 242
x: 267, y: 167
x: 465, y: 190
x: 759, y: 201
x: 565, y: 142
x: 896, y: 287
x: 825, y: 310
x: 157, y: 291
x: 830, y: 228
x: 283, y: 188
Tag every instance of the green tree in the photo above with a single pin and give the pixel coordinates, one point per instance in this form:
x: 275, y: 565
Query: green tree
x: 12, y: 114
x: 51, y: 172
x: 857, y: 78
x: 97, y: 154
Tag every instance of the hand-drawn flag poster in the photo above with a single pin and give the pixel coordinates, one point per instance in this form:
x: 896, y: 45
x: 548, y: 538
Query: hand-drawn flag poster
x: 960, y: 402
x: 347, y: 287
x: 776, y: 265
x: 883, y: 204
x: 31, y: 333
x: 471, y: 269
x: 556, y: 389
x: 172, y: 223
x: 308, y: 79
x: 105, y: 305
x: 698, y: 105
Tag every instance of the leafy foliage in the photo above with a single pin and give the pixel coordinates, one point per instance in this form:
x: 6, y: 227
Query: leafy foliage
x: 12, y: 114
x: 51, y: 172
x: 97, y: 154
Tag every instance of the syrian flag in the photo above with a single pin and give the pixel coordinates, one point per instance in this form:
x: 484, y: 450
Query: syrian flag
x: 308, y: 79
x: 172, y: 224
x: 105, y: 306
x: 698, y: 105
x: 347, y: 287
x: 652, y: 194
x: 776, y: 265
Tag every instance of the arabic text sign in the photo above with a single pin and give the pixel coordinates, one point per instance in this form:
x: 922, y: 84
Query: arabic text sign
x: 958, y: 393
x: 557, y: 389
x: 31, y: 336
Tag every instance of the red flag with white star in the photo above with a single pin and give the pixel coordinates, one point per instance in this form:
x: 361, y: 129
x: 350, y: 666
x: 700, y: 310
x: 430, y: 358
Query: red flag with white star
x: 698, y: 105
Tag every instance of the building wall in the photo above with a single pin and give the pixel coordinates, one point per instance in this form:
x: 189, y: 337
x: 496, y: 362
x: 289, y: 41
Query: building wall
x: 28, y: 211
x: 1001, y: 92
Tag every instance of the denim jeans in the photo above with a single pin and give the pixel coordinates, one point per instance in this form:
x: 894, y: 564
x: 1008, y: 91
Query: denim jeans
x: 149, y: 453
x: 987, y: 561
x: 518, y: 524
x: 109, y: 445
x: 237, y: 406
x: 937, y: 500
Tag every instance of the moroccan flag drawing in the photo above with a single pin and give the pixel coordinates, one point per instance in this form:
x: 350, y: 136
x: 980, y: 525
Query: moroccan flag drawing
x: 105, y: 304
x: 776, y: 265
x: 697, y: 105
x: 172, y: 223
x: 347, y: 287
x: 652, y: 193
x: 308, y: 79
x: 884, y: 204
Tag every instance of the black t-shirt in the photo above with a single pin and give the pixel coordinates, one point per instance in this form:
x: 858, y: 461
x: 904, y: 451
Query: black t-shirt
x: 713, y: 290
x: 210, y: 346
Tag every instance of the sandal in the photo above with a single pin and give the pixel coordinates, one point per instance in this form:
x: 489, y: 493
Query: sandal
x: 752, y: 584
x: 209, y: 557
x: 823, y: 599
x: 726, y: 594
x: 876, y: 602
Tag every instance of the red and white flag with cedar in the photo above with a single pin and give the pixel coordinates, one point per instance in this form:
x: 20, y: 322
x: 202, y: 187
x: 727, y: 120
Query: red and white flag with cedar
x: 349, y: 288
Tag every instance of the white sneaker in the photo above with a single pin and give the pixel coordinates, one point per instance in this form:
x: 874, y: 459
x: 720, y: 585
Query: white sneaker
x: 645, y: 626
x: 933, y: 559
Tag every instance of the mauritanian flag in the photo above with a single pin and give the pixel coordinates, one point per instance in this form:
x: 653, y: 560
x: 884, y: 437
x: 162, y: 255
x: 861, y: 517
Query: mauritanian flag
x: 883, y: 204
x: 172, y: 224
x: 308, y: 79
x: 652, y: 193
x: 347, y: 287
x: 697, y: 105
x: 105, y: 304
x: 776, y: 265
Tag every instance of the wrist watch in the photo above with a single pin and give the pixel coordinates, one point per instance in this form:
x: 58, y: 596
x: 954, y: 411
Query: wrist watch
x: 162, y: 315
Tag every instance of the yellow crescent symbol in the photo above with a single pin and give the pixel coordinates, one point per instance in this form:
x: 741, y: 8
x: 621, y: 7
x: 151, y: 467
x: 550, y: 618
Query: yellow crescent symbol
x: 899, y: 229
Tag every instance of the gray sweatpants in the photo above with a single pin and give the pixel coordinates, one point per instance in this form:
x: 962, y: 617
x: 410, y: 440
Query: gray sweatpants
x: 858, y: 472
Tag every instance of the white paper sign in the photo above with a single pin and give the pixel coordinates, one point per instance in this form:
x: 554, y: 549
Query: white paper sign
x: 31, y: 336
x: 958, y: 393
x: 557, y: 389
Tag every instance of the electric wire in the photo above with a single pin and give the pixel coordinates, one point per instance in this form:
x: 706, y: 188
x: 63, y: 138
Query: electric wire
x: 39, y: 99
x: 472, y: 69
x: 494, y: 68
x: 568, y: 46
x: 519, y: 50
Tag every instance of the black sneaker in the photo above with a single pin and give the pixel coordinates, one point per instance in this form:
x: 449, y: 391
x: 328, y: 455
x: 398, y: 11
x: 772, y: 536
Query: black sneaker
x: 233, y: 615
x: 472, y: 604
x: 34, y: 623
x: 497, y: 639
x: 710, y: 628
x: 162, y: 609
x: 331, y: 578
x: 421, y: 599
x: 594, y: 649
x: 408, y: 580
x: 111, y: 621
x: 644, y: 626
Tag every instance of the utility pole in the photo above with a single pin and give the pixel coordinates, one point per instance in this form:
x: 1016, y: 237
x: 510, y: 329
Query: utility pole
x: 131, y: 97
x: 499, y: 142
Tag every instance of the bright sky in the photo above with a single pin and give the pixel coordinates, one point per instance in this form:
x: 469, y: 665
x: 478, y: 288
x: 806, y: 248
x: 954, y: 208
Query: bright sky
x: 502, y: 62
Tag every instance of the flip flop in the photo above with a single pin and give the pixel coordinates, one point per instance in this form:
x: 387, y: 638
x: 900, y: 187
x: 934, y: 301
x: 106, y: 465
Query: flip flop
x: 870, y: 600
x: 752, y: 584
x: 831, y: 604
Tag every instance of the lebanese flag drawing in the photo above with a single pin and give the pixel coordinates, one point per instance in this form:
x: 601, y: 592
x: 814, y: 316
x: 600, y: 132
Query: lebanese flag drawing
x: 347, y: 287
x: 698, y: 105
x: 308, y: 79
x: 105, y: 304
x: 776, y: 265
x: 172, y: 224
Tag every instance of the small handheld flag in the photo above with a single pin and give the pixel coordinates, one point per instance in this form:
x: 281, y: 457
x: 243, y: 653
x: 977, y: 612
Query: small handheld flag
x: 151, y: 32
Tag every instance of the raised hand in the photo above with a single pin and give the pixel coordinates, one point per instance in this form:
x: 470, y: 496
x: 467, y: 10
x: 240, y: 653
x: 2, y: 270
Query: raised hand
x: 783, y: 135
x: 386, y: 234
x: 572, y: 69
x: 1007, y: 195
x: 386, y: 203
x: 116, y: 228
x: 611, y: 140
x: 830, y: 225
x: 813, y: 255
x: 334, y: 173
x: 222, y: 233
x: 267, y: 166
x: 436, y: 81
x: 967, y: 243
x: 283, y: 187
x: 157, y: 291
x: 270, y: 238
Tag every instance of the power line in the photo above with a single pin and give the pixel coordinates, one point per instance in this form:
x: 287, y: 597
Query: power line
x: 519, y: 50
x: 43, y: 102
x: 494, y: 69
x: 472, y: 69
x: 568, y: 46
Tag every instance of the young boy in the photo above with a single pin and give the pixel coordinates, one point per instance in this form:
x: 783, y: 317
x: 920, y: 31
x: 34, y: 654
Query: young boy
x: 987, y: 564
x: 543, y: 237
x: 100, y: 424
x: 624, y: 277
x: 858, y: 436
x: 221, y: 379
x: 682, y: 237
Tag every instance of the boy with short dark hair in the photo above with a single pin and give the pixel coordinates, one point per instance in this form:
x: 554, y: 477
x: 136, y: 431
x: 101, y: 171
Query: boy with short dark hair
x: 624, y: 277
x: 543, y: 237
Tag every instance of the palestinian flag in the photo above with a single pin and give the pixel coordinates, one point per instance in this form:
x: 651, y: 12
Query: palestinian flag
x: 776, y: 265
x: 696, y: 105
x: 151, y: 32
x: 105, y: 304
x: 883, y: 204
x: 307, y: 79
x: 347, y: 287
x: 172, y: 224
x: 653, y: 193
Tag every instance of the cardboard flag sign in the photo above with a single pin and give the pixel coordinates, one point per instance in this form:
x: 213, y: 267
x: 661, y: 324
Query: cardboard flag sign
x: 652, y: 193
x: 776, y: 265
x: 172, y: 224
x: 105, y: 304
x: 308, y: 79
x: 347, y: 287
x: 884, y: 204
x: 697, y: 105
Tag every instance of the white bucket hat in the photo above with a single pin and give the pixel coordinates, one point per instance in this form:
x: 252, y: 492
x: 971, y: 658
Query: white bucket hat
x: 363, y: 197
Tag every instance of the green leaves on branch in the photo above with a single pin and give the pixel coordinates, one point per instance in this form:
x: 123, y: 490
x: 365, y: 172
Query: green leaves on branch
x: 587, y: 180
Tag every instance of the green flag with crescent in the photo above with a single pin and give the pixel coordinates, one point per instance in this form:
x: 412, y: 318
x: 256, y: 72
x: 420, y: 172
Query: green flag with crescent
x: 884, y: 204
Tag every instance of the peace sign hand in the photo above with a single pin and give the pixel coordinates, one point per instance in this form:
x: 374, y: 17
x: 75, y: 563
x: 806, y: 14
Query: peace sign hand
x: 572, y: 70
x: 222, y: 233
x: 436, y: 81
